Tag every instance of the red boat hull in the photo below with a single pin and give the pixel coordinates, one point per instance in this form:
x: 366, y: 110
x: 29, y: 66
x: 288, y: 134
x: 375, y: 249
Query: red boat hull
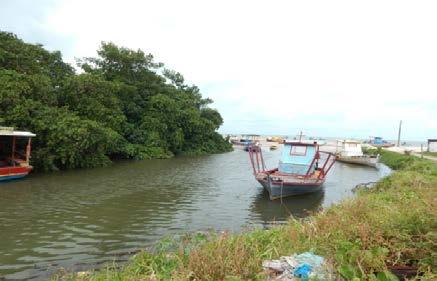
x: 10, y: 173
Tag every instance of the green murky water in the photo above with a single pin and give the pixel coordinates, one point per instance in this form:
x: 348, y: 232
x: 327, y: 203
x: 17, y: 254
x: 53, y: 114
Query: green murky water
x: 80, y: 219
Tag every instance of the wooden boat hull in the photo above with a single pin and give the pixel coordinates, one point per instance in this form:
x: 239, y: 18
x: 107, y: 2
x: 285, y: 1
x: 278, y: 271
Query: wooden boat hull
x: 288, y: 185
x: 12, y: 173
x: 301, y: 169
x: 359, y: 160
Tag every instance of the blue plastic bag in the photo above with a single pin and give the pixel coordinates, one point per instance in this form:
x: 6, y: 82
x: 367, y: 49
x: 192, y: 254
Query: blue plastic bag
x: 302, y: 271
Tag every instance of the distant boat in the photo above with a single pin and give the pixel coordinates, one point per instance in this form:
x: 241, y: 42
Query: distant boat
x: 274, y: 139
x: 242, y: 142
x: 299, y: 169
x: 350, y: 151
x: 15, y: 147
x: 246, y: 141
x: 380, y: 142
x: 273, y: 147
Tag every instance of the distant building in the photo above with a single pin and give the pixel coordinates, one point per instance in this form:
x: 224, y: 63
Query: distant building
x: 432, y: 145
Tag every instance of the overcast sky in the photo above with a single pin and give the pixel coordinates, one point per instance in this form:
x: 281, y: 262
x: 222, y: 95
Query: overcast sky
x: 329, y: 68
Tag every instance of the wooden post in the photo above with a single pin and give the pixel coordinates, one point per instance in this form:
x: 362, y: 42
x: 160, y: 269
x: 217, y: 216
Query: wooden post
x: 421, y: 150
x: 28, y: 149
x: 13, y: 151
x: 399, y: 133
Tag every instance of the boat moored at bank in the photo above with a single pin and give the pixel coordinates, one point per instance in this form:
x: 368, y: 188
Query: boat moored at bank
x: 15, y: 149
x: 350, y: 151
x: 301, y: 169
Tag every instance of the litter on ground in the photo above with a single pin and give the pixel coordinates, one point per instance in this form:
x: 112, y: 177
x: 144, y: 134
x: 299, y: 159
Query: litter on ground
x: 304, y: 267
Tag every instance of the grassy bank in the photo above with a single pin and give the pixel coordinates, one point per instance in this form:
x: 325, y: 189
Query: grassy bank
x: 433, y: 154
x: 389, y: 225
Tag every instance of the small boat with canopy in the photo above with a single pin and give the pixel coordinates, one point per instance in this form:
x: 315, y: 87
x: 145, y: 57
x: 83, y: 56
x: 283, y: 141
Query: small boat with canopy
x: 15, y: 148
x: 302, y: 169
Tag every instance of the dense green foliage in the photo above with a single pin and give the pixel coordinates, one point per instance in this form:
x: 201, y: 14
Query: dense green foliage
x: 119, y: 106
x: 390, y: 225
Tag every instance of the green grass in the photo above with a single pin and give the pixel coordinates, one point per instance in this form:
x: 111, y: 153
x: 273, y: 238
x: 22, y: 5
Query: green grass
x: 391, y: 224
x: 397, y: 161
x: 434, y: 154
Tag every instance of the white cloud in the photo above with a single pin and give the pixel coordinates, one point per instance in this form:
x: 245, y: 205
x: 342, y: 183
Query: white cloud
x: 328, y: 67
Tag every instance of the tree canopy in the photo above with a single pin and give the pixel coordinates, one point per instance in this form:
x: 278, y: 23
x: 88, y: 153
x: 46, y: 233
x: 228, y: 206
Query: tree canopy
x: 122, y: 104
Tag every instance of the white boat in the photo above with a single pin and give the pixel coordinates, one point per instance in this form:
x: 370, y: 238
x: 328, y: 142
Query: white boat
x: 350, y: 151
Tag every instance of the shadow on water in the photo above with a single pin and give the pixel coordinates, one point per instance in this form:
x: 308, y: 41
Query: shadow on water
x: 301, y: 206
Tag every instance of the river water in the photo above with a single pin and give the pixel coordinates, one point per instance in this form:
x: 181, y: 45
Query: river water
x: 82, y: 218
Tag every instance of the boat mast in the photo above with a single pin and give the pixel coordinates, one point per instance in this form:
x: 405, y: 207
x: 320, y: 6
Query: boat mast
x: 300, y: 136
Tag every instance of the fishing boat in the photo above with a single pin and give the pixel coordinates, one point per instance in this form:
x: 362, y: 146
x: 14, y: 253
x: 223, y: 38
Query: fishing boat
x: 301, y: 169
x: 15, y: 147
x: 380, y: 142
x: 350, y: 151
x: 241, y: 142
x: 245, y: 142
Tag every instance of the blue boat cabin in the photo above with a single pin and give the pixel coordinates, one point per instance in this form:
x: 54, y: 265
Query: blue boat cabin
x: 378, y: 140
x: 297, y: 158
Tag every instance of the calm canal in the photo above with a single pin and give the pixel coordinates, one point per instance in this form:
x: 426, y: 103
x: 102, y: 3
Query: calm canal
x: 80, y: 219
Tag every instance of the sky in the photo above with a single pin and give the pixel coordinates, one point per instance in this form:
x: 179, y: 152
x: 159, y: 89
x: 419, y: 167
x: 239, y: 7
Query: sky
x: 327, y: 68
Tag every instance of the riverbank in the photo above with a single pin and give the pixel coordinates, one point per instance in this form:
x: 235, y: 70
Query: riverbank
x: 386, y: 227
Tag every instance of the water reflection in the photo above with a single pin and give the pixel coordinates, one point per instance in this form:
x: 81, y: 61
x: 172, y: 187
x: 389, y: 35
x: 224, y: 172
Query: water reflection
x: 269, y: 211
